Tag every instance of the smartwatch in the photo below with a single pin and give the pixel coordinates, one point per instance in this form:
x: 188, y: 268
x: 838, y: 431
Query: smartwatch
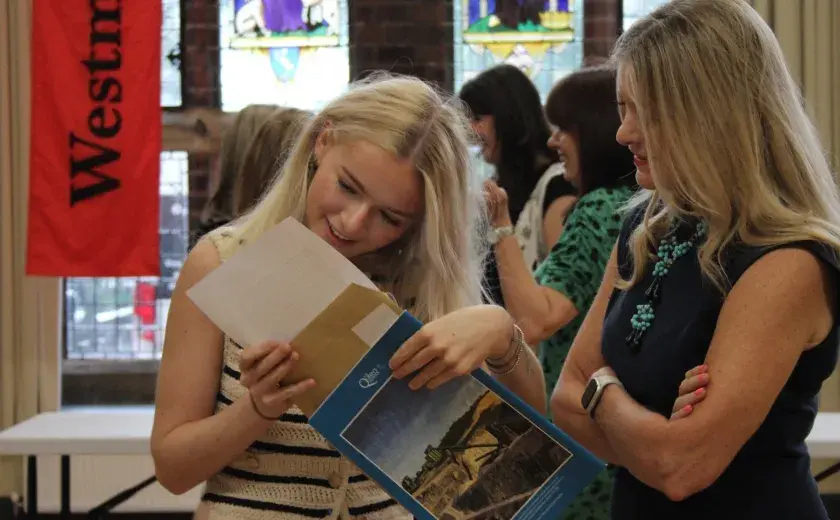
x: 593, y: 391
x: 495, y: 235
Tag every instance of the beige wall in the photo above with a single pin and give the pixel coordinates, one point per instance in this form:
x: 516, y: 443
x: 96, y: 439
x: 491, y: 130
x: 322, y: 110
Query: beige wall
x: 809, y: 33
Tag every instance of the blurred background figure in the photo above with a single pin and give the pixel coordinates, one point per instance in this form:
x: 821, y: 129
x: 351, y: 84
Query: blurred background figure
x: 264, y: 157
x: 550, y: 304
x: 509, y: 121
x: 219, y: 208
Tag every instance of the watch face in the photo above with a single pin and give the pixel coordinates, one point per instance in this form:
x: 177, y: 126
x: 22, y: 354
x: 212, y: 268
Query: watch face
x: 589, y: 393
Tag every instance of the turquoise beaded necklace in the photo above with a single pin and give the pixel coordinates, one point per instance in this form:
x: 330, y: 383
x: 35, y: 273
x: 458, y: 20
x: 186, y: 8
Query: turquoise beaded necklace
x: 669, y: 250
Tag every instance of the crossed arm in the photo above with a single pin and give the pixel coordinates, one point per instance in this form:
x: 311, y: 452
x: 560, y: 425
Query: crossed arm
x: 779, y: 307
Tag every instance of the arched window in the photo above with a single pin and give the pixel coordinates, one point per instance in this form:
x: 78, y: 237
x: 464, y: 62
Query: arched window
x: 542, y: 37
x: 285, y: 52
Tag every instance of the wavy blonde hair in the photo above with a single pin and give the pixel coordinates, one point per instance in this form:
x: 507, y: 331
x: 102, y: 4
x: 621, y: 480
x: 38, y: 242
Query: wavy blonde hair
x: 727, y: 135
x: 439, y: 268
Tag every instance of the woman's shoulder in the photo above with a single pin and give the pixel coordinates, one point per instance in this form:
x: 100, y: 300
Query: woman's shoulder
x: 741, y: 257
x: 224, y: 239
x: 618, y: 195
x: 605, y: 202
x: 202, y: 259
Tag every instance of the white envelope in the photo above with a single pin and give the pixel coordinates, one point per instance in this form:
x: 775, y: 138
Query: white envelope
x: 272, y: 288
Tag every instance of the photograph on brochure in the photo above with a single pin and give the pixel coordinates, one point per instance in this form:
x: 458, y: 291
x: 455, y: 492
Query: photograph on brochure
x: 459, y: 450
x: 467, y: 449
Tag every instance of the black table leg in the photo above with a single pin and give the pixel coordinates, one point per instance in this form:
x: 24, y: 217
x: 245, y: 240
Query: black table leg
x: 32, y: 487
x: 824, y: 474
x: 65, y: 487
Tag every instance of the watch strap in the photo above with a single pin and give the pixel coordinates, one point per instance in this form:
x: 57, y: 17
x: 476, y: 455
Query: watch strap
x: 602, y: 383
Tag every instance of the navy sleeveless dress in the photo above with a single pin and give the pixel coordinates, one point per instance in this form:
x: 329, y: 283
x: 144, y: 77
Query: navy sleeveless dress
x: 770, y: 478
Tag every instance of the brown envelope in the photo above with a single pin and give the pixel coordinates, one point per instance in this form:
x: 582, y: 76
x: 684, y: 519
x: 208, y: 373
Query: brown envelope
x: 332, y: 343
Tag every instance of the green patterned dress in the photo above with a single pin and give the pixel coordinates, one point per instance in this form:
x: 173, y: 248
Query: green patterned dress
x: 575, y: 268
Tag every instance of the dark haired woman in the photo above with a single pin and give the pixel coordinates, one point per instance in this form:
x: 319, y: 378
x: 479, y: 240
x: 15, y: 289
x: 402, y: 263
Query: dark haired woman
x: 550, y: 305
x: 508, y: 118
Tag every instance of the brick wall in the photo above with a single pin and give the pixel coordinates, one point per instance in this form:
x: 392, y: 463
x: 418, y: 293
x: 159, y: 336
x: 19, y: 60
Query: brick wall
x: 403, y: 36
x: 602, y: 20
x: 200, y: 58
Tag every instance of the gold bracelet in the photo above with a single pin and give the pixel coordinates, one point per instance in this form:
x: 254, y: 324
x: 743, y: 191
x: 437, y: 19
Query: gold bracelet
x: 516, y: 337
x: 497, y: 365
x: 498, y: 372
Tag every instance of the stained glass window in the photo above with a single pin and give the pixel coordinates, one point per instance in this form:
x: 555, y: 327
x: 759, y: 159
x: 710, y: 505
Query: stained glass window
x: 635, y: 9
x: 170, y: 63
x: 286, y: 52
x: 542, y: 37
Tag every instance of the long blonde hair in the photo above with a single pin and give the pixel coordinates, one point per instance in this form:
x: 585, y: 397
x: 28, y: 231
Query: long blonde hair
x: 727, y: 135
x: 439, y: 268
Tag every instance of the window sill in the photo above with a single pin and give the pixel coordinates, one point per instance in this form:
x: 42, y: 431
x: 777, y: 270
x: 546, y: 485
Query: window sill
x: 80, y: 367
x: 108, y: 382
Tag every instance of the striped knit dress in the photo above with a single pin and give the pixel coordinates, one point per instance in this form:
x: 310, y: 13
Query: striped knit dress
x: 291, y: 472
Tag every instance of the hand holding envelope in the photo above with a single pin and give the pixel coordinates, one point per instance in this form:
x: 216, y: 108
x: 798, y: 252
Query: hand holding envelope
x: 289, y: 286
x: 264, y: 368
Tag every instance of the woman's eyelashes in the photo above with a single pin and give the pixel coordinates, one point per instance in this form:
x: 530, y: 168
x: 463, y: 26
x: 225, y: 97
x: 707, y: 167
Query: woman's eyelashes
x: 622, y: 109
x: 350, y: 190
x: 346, y: 187
x: 389, y: 219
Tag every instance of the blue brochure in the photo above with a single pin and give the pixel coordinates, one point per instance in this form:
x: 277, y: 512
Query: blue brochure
x: 468, y: 449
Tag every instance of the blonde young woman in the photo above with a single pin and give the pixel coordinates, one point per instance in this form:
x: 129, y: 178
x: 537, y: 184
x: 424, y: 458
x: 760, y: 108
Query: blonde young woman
x: 382, y: 175
x: 728, y: 258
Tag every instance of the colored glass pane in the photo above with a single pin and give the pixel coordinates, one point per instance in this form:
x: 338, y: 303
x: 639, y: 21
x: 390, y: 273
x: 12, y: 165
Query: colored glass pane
x: 541, y: 37
x: 286, y: 52
x: 170, y: 63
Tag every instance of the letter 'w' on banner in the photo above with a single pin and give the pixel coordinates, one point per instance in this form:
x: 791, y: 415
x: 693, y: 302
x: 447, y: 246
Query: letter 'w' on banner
x: 96, y: 138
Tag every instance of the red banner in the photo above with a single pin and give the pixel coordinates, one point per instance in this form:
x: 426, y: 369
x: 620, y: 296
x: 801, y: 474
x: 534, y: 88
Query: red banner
x: 96, y: 138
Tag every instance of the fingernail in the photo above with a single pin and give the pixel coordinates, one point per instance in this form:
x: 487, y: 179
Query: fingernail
x: 699, y: 391
x: 687, y: 408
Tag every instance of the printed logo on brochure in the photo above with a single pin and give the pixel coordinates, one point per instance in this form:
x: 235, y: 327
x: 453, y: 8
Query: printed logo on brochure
x: 370, y: 379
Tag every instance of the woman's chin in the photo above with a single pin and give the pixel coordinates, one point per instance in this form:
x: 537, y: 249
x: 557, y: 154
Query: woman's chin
x: 571, y: 178
x: 645, y: 179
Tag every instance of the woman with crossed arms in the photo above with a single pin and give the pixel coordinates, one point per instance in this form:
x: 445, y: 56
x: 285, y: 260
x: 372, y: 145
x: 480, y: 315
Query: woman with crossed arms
x: 728, y: 259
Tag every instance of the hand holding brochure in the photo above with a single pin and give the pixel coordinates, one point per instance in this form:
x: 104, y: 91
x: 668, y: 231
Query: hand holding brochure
x: 468, y: 449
